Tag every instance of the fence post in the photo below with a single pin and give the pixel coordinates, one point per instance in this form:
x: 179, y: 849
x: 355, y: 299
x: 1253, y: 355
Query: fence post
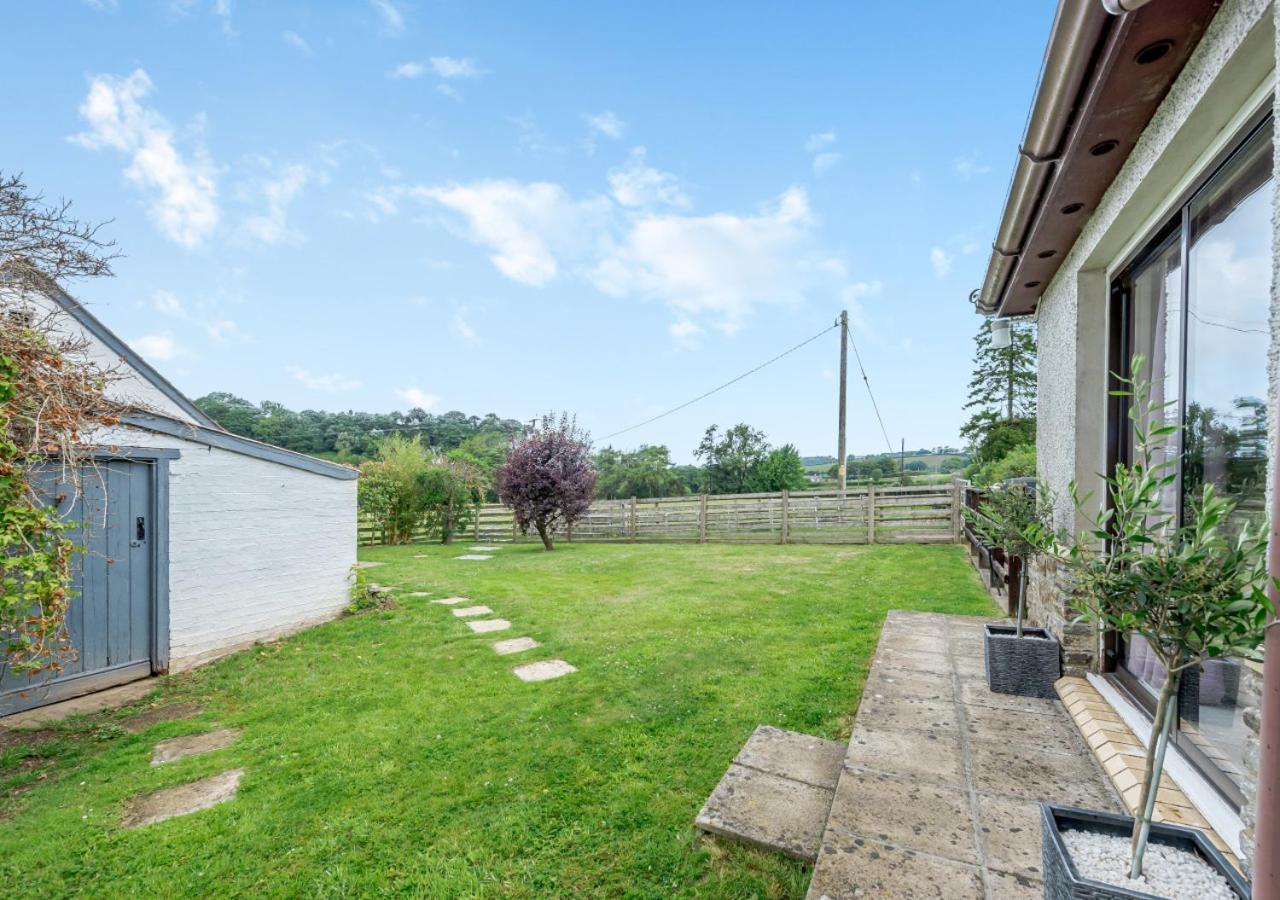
x: 631, y: 526
x: 702, y: 519
x: 871, y: 513
x: 786, y: 495
x: 956, y: 516
x: 476, y: 530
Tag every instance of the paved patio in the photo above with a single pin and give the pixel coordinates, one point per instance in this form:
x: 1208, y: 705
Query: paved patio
x: 939, y: 789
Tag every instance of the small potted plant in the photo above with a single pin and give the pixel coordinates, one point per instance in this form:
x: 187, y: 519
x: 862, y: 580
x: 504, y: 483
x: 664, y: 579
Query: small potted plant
x: 1020, y: 660
x: 1195, y: 591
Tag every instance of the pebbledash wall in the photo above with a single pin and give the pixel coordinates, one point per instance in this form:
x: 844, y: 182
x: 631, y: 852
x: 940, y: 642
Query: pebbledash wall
x: 1231, y: 70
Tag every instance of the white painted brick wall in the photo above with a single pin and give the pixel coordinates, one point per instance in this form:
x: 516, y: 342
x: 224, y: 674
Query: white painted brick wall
x: 256, y: 549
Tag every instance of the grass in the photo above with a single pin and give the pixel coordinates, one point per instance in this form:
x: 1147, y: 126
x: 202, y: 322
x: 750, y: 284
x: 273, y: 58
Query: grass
x: 394, y: 753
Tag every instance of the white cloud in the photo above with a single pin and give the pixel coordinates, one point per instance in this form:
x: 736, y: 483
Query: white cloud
x: 824, y: 161
x: 941, y: 261
x: 719, y: 265
x: 635, y: 184
x: 160, y: 347
x: 449, y: 91
x: 329, y: 384
x: 183, y: 195
x: 222, y: 9
x: 217, y: 330
x: 418, y: 398
x: 272, y: 226
x: 102, y: 5
x: 462, y: 328
x: 819, y: 141
x: 525, y: 225
x: 685, y: 332
x: 452, y: 67
x: 297, y: 42
x: 392, y: 17
x: 606, y: 123
x: 968, y: 167
x: 408, y: 70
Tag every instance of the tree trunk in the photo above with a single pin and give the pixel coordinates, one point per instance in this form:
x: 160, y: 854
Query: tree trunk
x: 446, y: 527
x: 544, y: 533
x: 1161, y: 726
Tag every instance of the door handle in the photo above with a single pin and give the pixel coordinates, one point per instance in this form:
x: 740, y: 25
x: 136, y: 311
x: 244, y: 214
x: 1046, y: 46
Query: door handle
x: 142, y: 528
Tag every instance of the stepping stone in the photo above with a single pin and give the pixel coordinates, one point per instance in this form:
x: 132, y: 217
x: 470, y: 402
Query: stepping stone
x: 192, y: 745
x: 776, y: 793
x: 157, y: 806
x: 482, y: 549
x: 514, y: 645
x: 419, y: 594
x: 450, y: 601
x: 473, y: 556
x: 367, y: 564
x: 472, y: 611
x: 422, y: 556
x: 484, y: 626
x: 543, y: 670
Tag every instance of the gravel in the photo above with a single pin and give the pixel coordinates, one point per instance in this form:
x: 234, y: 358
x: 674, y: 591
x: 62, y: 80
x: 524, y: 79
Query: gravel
x: 1167, y: 871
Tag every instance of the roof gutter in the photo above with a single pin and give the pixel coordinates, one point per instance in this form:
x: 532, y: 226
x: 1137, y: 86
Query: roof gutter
x: 1077, y: 30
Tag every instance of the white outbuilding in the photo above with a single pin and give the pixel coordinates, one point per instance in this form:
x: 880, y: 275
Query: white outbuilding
x: 198, y: 542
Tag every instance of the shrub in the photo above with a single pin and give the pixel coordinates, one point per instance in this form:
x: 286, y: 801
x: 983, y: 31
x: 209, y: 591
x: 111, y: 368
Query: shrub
x: 548, y: 478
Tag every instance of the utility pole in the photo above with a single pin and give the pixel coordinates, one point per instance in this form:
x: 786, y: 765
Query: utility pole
x: 842, y: 459
x: 902, y: 462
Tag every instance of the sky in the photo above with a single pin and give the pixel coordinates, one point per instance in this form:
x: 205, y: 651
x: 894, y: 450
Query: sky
x: 604, y: 208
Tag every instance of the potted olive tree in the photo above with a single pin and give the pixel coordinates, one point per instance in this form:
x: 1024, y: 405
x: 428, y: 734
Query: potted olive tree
x: 1020, y: 660
x: 1194, y: 590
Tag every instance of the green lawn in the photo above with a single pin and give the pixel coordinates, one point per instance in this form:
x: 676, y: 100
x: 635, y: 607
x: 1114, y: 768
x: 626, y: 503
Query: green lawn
x: 395, y: 753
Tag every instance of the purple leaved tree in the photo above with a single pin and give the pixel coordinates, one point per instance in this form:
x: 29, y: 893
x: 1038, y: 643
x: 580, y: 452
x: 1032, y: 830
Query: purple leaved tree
x: 548, y: 478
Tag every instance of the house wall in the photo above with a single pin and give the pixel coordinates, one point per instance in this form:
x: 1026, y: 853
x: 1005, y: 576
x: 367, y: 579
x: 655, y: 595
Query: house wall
x: 256, y: 549
x: 1233, y: 64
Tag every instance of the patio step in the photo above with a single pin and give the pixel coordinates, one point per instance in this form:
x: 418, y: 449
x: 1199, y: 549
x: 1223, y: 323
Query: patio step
x: 776, y: 793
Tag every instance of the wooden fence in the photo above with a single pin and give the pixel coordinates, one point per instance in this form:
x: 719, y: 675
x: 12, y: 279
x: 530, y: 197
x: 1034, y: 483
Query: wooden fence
x: 865, y: 515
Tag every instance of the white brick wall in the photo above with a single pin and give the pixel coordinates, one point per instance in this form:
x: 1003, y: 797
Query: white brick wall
x: 256, y: 549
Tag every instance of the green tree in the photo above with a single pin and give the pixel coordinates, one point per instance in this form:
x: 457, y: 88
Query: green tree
x: 646, y: 472
x: 453, y: 487
x: 392, y: 489
x: 732, y: 458
x: 1003, y: 385
x: 781, y: 470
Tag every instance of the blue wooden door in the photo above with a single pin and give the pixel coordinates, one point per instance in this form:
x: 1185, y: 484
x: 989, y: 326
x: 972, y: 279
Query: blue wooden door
x: 111, y: 619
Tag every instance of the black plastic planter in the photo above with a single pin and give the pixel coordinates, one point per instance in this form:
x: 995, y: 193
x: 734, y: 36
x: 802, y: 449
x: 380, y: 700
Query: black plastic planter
x: 1062, y: 881
x: 1027, y: 665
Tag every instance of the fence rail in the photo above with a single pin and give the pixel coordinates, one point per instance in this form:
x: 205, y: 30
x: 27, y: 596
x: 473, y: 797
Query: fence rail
x: 919, y: 514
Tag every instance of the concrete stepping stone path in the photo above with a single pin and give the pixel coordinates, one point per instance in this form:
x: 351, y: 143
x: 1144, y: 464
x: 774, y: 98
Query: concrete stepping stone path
x: 514, y: 645
x: 472, y: 611
x: 473, y: 556
x: 450, y: 601
x: 484, y: 626
x: 543, y: 670
x: 481, y: 549
x: 178, y: 748
x: 147, y: 809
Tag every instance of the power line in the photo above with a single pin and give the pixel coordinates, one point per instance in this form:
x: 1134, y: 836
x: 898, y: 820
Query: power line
x: 874, y: 405
x: 762, y: 365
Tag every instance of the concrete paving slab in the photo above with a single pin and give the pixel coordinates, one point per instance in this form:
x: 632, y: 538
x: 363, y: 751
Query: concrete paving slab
x: 854, y: 867
x: 157, y: 806
x: 1011, y: 834
x: 902, y: 684
x: 1047, y: 732
x: 932, y: 756
x: 904, y: 712
x: 482, y: 549
x: 485, y: 626
x: 418, y: 594
x: 464, y: 611
x: 767, y: 811
x: 916, y: 660
x: 543, y: 670
x: 178, y: 748
x: 368, y: 564
x: 514, y: 645
x: 450, y: 601
x: 474, y: 556
x: 111, y: 698
x: 905, y: 812
x: 1030, y: 773
x: 1006, y: 886
x: 800, y: 757
x: 977, y: 693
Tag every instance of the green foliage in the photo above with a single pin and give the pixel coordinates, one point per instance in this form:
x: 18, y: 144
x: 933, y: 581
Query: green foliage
x: 453, y: 487
x: 363, y: 595
x: 409, y: 487
x: 732, y: 458
x: 1002, y: 437
x: 1018, y: 462
x: 781, y: 470
x: 647, y: 472
x: 951, y: 464
x: 1002, y: 388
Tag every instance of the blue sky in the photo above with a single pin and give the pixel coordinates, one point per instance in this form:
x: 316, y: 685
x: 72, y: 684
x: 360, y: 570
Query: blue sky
x: 605, y: 208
